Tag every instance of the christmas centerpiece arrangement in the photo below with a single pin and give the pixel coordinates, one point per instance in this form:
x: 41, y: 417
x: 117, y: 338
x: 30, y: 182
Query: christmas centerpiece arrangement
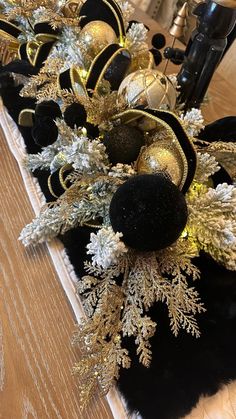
x: 139, y: 191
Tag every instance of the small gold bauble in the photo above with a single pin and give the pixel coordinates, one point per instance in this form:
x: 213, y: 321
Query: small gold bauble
x: 95, y: 36
x: 148, y: 88
x: 162, y: 156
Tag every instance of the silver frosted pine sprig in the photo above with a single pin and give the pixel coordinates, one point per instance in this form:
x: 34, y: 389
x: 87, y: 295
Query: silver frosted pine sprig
x: 86, y: 156
x: 106, y: 247
x: 136, y: 38
x: 193, y: 121
x: 212, y: 221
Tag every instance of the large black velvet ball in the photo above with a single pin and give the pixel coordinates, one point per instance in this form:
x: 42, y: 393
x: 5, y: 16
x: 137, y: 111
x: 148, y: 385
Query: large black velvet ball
x: 150, y: 211
x: 123, y: 144
x: 75, y: 115
x: 48, y: 108
x: 44, y: 131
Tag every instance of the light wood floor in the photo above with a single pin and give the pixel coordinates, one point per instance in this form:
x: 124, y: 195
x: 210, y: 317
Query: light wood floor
x: 36, y: 322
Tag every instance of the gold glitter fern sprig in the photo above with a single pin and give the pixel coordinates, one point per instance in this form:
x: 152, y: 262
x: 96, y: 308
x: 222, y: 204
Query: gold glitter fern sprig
x: 117, y: 300
x: 25, y: 8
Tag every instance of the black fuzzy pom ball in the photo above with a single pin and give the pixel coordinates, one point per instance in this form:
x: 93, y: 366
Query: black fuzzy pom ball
x: 44, y: 131
x: 48, y: 108
x: 6, y: 81
x: 156, y: 55
x: 158, y: 40
x: 75, y: 115
x: 150, y: 211
x: 123, y: 144
x: 92, y: 130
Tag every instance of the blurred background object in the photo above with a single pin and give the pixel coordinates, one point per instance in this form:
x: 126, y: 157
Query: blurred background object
x: 164, y: 12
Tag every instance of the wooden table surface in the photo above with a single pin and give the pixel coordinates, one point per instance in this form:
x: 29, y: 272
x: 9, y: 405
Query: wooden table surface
x: 36, y: 321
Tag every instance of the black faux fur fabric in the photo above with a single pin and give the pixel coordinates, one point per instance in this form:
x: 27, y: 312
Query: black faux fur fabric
x: 183, y: 368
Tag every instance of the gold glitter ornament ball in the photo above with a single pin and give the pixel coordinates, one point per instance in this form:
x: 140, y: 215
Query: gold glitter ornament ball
x: 95, y: 36
x: 149, y: 88
x: 162, y: 156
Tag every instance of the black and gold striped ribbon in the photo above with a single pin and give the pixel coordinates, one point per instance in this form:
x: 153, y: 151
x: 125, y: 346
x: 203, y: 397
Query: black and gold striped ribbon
x: 35, y: 51
x: 102, y: 64
x: 71, y: 80
x: 10, y: 32
x: 111, y: 64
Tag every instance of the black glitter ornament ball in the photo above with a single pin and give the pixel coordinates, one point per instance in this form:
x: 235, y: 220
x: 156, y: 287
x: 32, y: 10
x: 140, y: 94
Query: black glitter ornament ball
x: 75, y: 115
x: 123, y: 144
x: 221, y: 176
x: 150, y: 211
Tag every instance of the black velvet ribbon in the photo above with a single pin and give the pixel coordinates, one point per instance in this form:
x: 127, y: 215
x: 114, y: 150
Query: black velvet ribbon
x: 110, y: 64
x: 102, y: 67
x: 36, y: 51
x: 9, y: 28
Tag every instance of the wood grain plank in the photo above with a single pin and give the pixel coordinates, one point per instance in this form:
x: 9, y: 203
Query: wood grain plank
x: 228, y: 65
x: 36, y: 356
x: 2, y: 363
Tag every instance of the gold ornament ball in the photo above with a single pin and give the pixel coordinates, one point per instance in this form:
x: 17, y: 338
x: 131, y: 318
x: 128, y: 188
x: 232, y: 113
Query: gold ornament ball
x: 161, y: 156
x: 149, y: 88
x: 95, y: 36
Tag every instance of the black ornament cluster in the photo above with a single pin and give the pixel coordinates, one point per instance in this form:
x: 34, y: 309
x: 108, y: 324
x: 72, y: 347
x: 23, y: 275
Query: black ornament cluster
x: 158, y: 42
